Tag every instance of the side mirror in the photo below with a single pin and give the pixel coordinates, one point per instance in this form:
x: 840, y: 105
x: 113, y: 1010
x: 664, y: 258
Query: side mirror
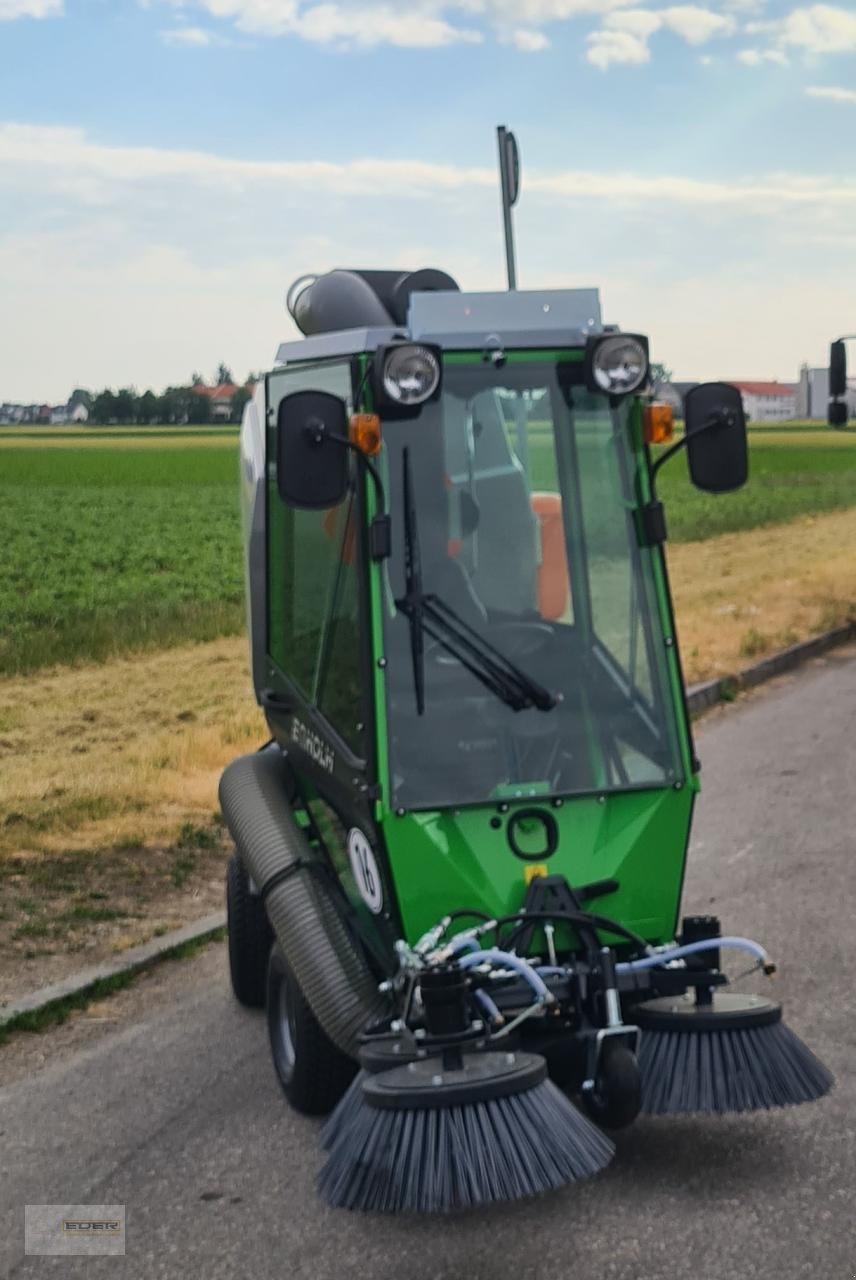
x: 311, y: 449
x: 715, y: 434
x: 837, y: 369
x: 837, y: 413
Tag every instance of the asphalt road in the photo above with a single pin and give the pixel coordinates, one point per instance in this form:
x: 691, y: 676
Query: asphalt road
x: 171, y: 1108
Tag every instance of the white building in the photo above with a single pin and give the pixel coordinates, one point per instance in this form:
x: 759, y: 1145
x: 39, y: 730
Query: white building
x: 768, y: 401
x: 813, y: 394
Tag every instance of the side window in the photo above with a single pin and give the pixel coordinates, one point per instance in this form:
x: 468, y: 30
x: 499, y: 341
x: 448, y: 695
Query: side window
x: 313, y: 599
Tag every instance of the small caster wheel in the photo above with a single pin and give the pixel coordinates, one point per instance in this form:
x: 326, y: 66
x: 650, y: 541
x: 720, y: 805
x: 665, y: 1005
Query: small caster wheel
x: 616, y: 1098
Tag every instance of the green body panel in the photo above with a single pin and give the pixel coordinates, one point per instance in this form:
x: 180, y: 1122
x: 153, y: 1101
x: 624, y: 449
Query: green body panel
x: 455, y: 859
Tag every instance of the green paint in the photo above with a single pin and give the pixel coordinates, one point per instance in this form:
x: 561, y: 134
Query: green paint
x: 564, y: 355
x: 446, y: 860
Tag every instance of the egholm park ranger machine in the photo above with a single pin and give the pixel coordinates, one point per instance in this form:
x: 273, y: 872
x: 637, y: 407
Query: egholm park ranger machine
x: 457, y: 885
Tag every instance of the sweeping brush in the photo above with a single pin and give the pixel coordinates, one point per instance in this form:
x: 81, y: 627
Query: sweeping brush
x: 378, y: 1053
x: 454, y: 1131
x: 730, y: 1054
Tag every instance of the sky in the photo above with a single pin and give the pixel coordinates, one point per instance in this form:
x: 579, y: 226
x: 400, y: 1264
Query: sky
x: 169, y: 167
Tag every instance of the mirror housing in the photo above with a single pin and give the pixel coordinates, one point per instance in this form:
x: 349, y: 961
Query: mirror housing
x: 311, y: 450
x: 837, y: 414
x: 715, y: 434
x: 837, y: 369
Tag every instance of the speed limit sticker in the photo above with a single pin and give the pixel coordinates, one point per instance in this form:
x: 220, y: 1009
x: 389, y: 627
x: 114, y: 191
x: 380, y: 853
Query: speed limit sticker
x: 365, y: 869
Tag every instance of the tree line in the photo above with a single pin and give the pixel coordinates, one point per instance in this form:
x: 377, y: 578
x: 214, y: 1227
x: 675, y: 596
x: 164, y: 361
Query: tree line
x: 181, y: 404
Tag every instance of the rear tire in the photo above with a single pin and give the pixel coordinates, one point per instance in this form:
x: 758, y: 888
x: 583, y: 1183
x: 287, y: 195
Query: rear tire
x: 250, y: 936
x: 616, y: 1099
x: 312, y: 1071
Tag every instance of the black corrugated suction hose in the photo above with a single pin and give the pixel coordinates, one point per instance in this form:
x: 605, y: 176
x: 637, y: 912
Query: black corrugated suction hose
x: 327, y: 962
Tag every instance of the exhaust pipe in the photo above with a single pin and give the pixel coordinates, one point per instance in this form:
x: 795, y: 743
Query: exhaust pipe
x: 327, y: 962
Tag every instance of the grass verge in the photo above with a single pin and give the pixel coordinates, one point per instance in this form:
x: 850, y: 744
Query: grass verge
x: 53, y: 1015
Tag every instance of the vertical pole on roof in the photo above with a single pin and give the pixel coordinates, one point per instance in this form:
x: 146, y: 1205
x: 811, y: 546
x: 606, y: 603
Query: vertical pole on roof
x: 509, y: 180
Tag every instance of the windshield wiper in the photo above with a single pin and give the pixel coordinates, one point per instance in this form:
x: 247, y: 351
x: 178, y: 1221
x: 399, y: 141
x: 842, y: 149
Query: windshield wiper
x: 429, y: 615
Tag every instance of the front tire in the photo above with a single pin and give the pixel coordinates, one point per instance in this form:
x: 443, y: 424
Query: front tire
x: 312, y: 1071
x: 250, y: 936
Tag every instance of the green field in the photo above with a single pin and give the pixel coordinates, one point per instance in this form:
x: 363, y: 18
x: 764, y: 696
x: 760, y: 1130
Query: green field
x: 119, y: 540
x: 110, y: 548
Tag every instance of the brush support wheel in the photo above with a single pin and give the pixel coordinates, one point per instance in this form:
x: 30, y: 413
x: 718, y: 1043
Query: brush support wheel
x: 250, y: 937
x: 312, y: 1071
x: 616, y: 1099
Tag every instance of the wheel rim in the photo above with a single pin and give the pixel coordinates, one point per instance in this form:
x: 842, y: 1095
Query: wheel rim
x: 284, y: 1037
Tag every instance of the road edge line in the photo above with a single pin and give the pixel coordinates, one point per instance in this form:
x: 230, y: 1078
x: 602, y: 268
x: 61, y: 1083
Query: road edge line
x: 129, y: 962
x: 723, y: 689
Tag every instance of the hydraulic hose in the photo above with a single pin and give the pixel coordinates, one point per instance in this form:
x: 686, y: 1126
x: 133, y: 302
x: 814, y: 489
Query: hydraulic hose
x: 328, y: 963
x: 691, y: 949
x: 505, y: 960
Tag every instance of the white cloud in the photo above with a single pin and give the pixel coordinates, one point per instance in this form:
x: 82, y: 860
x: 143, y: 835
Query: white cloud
x: 69, y: 160
x: 757, y: 57
x: 822, y: 28
x: 529, y: 41
x: 637, y: 22
x: 196, y: 37
x: 608, y: 47
x: 10, y: 9
x: 697, y: 25
x: 625, y: 33
x: 832, y: 93
x: 360, y: 25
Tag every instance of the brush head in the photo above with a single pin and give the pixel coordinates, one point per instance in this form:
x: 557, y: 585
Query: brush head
x: 430, y: 1139
x: 733, y: 1054
x: 378, y: 1053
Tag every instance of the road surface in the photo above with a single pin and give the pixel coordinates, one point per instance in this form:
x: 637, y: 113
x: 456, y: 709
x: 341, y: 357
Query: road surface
x: 164, y: 1098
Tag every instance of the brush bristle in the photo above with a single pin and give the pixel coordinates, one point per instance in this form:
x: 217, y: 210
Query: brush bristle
x: 348, y: 1106
x: 713, y: 1072
x: 436, y: 1159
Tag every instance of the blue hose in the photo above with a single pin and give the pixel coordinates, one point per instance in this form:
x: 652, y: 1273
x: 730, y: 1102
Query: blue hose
x: 508, y: 961
x: 691, y: 949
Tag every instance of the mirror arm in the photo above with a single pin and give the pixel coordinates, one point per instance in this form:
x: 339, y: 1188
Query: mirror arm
x: 711, y: 423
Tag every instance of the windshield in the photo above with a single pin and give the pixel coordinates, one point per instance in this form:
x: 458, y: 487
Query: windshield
x: 515, y: 493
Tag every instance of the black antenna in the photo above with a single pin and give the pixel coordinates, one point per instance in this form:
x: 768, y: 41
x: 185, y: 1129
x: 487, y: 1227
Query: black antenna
x: 509, y: 178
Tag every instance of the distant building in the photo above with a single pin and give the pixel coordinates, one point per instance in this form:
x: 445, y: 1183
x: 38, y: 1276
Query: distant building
x: 220, y: 397
x: 768, y: 401
x: 63, y: 415
x: 813, y: 394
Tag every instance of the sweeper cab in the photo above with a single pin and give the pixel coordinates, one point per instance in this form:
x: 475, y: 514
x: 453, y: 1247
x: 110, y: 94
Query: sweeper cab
x: 457, y: 884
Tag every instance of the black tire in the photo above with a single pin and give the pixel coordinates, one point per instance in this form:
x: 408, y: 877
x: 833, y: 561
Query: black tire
x: 313, y: 1072
x: 616, y: 1099
x: 250, y: 937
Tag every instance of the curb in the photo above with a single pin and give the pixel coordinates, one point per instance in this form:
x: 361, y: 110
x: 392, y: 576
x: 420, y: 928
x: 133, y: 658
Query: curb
x: 699, y: 698
x: 702, y: 696
x: 130, y: 961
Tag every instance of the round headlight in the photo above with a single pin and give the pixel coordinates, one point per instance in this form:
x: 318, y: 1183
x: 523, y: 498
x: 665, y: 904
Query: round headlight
x: 619, y: 364
x: 411, y: 374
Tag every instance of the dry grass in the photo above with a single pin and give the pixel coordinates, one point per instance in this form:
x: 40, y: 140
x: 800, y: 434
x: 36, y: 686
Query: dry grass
x: 742, y: 595
x: 108, y: 797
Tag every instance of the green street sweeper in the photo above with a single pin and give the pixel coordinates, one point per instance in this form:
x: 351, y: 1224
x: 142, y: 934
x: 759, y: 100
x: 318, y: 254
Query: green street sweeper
x: 459, y: 861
